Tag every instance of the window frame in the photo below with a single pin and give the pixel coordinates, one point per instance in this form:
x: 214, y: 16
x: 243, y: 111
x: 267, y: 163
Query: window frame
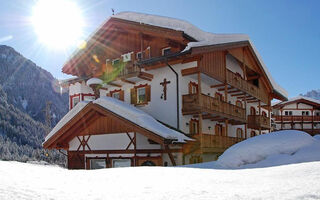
x: 164, y: 49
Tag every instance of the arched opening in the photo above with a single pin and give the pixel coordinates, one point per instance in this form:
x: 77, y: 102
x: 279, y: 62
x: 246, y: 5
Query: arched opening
x: 239, y: 133
x: 252, y: 111
x: 148, y: 163
x: 239, y: 103
x: 253, y: 133
x: 264, y: 113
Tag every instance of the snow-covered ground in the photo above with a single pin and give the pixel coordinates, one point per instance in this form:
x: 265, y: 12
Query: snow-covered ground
x: 30, y: 181
x: 241, y: 173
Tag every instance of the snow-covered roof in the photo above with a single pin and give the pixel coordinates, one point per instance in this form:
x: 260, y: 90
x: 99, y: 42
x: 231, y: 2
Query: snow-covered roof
x: 296, y: 98
x: 94, y: 81
x: 203, y: 38
x: 127, y: 111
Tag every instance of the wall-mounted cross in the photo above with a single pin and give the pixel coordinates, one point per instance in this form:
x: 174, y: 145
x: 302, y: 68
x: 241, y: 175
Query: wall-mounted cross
x: 164, y: 85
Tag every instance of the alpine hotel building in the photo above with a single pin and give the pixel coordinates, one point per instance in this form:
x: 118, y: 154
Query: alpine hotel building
x: 152, y: 90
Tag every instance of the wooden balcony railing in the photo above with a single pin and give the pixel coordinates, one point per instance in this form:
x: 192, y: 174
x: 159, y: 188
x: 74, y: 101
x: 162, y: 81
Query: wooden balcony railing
x: 258, y: 121
x: 207, y: 104
x: 296, y: 118
x: 216, y: 142
x: 238, y: 82
x: 130, y: 69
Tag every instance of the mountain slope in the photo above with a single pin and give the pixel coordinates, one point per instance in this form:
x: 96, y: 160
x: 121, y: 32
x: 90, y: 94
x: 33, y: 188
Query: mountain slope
x: 28, y: 86
x: 313, y: 94
x: 24, y: 90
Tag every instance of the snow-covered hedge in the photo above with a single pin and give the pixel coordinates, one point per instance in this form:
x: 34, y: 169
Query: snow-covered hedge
x: 270, y: 149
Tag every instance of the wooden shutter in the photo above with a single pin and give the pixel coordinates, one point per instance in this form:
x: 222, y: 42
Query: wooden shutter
x: 190, y: 88
x: 133, y: 93
x: 121, y: 95
x: 216, y: 130
x: 190, y: 127
x: 224, y: 131
x: 148, y: 93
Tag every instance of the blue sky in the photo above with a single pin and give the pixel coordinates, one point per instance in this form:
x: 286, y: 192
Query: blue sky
x: 286, y: 32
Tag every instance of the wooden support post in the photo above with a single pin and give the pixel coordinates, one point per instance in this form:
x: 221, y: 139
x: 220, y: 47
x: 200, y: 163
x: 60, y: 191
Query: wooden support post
x: 245, y: 110
x: 312, y: 121
x: 135, y: 148
x: 200, y: 103
x: 281, y: 119
x: 170, y: 155
x: 259, y: 117
x: 269, y: 114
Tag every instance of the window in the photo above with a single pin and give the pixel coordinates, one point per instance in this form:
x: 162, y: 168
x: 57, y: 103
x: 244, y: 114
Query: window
x: 305, y: 113
x: 141, y: 94
x: 116, y: 61
x: 141, y: 97
x: 193, y: 88
x: 194, y: 126
x: 239, y: 103
x: 87, y: 97
x: 317, y: 114
x: 121, y: 163
x: 98, y: 163
x: 139, y: 56
x: 166, y: 51
x: 75, y: 101
x: 239, y: 133
x: 117, y: 94
x: 219, y: 130
x: 219, y: 96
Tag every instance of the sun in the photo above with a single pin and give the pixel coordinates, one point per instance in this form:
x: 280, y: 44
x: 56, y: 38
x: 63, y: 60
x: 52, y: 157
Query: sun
x: 58, y: 23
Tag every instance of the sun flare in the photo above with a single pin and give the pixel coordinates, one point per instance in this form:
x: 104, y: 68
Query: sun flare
x: 58, y: 24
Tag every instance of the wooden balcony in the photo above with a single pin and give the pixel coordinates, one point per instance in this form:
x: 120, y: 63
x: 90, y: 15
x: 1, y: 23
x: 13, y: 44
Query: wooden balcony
x: 128, y: 72
x: 238, y: 82
x: 212, y: 108
x: 208, y: 143
x: 296, y: 118
x: 258, y: 122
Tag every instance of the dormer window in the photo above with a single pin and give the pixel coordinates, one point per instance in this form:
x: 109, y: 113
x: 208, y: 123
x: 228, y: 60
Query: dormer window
x: 166, y: 51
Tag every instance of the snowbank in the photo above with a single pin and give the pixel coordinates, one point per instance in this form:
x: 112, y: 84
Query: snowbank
x: 271, y: 149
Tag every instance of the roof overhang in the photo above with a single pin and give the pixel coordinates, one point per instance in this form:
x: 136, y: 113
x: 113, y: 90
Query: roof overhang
x: 81, y: 124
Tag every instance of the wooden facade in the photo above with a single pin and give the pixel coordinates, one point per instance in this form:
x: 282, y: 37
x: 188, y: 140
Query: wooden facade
x: 299, y: 114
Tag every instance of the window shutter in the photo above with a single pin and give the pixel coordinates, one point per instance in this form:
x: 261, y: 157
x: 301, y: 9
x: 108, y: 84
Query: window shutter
x: 133, y: 93
x: 216, y: 130
x: 190, y: 127
x: 190, y: 88
x: 122, y: 95
x: 148, y: 93
x: 224, y: 131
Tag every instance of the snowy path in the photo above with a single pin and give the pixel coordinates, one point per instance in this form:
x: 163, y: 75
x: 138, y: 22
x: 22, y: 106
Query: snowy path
x: 30, y: 181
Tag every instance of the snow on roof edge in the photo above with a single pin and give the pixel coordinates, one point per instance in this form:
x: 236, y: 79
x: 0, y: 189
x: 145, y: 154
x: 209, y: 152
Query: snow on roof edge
x: 124, y: 110
x: 203, y: 38
x: 297, y: 98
